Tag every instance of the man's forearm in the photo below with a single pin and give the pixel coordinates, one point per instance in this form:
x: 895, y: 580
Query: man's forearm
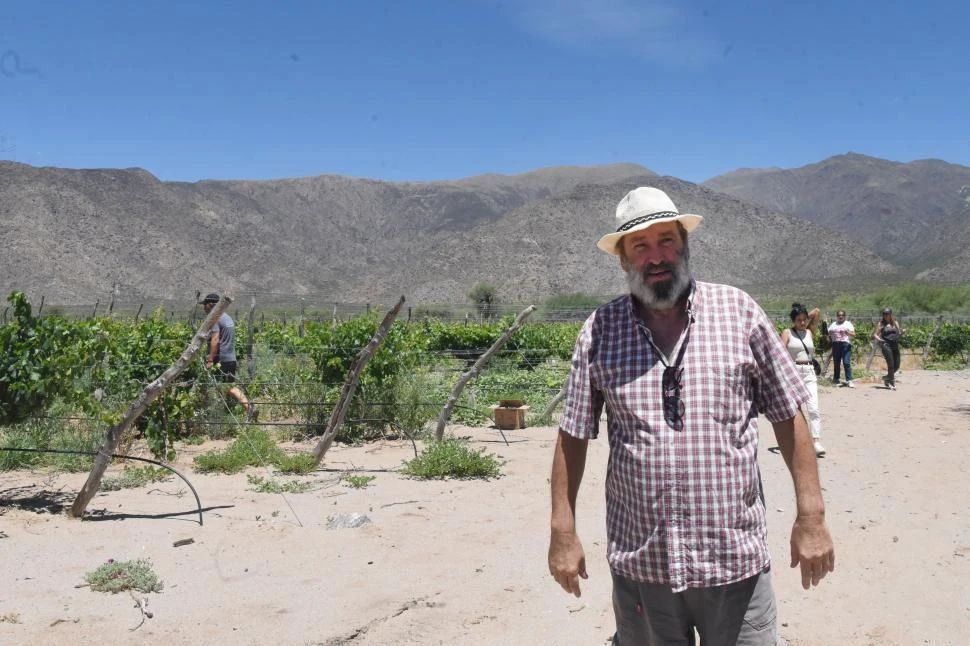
x: 568, y: 464
x: 213, y: 347
x: 795, y: 444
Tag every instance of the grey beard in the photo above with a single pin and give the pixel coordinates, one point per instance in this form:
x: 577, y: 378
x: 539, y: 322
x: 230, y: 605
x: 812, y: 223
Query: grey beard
x: 664, y: 295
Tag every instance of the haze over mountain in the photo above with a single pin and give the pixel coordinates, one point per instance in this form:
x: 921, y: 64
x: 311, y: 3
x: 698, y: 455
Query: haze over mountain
x: 74, y: 235
x: 915, y: 214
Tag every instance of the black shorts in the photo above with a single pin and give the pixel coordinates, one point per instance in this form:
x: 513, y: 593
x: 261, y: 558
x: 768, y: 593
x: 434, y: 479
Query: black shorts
x: 227, y: 372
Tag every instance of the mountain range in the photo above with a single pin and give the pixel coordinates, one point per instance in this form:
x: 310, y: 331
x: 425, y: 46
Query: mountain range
x: 74, y: 236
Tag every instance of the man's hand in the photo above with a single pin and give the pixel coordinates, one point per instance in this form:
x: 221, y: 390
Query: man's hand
x: 811, y: 546
x: 567, y: 561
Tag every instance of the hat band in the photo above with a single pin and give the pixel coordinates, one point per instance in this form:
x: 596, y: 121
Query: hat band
x: 646, y: 218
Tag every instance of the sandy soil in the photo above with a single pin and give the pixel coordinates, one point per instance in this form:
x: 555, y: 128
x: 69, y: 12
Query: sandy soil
x: 463, y: 562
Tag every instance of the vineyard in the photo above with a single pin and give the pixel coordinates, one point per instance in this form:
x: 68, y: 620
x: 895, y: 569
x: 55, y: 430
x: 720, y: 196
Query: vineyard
x: 64, y: 381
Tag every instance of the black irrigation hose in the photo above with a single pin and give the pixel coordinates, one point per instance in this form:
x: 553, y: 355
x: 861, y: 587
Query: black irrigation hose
x: 116, y: 455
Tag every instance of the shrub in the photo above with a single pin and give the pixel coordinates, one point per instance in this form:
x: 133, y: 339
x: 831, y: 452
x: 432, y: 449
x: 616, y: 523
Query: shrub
x: 299, y: 463
x: 253, y: 448
x: 451, y: 457
x: 117, y: 576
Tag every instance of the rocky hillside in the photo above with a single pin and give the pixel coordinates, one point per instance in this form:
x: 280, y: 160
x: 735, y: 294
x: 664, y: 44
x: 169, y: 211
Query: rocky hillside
x: 76, y: 235
x: 916, y: 215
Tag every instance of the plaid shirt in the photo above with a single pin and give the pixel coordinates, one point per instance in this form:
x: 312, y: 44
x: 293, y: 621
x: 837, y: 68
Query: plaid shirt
x: 684, y: 508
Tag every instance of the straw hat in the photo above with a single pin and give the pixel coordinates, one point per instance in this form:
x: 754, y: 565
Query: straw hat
x: 641, y: 208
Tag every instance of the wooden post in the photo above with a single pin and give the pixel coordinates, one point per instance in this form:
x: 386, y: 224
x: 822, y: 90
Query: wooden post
x: 872, y: 353
x: 195, y: 308
x: 561, y: 395
x: 826, y: 360
x: 350, y: 385
x: 41, y: 308
x: 95, y: 312
x: 333, y: 321
x: 250, y: 362
x: 474, y: 370
x: 929, y: 340
x: 300, y: 328
x: 147, y: 396
x: 138, y: 313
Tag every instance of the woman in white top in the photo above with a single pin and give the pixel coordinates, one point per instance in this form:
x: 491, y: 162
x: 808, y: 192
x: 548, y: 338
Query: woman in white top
x: 799, y: 341
x: 842, y: 332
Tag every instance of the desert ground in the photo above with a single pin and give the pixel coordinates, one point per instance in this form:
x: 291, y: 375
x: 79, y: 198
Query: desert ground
x: 464, y: 562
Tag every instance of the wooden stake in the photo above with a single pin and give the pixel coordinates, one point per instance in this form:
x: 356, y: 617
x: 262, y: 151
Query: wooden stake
x: 929, y: 340
x: 482, y: 360
x: 147, y: 396
x: 350, y: 385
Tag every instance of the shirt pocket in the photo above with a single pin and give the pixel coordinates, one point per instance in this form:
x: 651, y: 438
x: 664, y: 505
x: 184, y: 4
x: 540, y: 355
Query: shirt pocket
x: 730, y: 398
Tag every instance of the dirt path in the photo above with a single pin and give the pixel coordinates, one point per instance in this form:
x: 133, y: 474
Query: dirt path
x: 463, y: 562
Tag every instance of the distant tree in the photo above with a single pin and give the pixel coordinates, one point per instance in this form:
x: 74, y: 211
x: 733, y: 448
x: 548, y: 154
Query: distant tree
x: 485, y: 298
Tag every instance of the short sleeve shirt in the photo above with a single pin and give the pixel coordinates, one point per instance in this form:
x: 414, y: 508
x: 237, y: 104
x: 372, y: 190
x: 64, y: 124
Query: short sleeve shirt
x: 839, y: 332
x: 227, y: 338
x: 684, y: 507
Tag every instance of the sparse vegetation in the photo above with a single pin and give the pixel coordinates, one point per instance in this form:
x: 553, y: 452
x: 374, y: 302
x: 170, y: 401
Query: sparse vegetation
x: 133, y: 477
x: 357, y: 481
x: 118, y: 576
x: 269, y: 485
x: 452, y: 458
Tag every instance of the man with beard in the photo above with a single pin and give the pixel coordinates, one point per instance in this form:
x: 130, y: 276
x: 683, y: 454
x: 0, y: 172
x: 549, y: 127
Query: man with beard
x: 683, y: 368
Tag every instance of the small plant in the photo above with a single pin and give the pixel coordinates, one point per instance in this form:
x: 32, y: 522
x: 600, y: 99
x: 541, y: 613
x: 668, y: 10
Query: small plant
x: 298, y: 463
x: 118, y: 576
x: 133, y: 477
x: 451, y: 457
x: 264, y: 485
x: 358, y: 481
x: 251, y: 449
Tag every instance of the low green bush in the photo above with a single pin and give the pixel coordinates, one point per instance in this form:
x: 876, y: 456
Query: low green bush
x: 298, y: 463
x: 254, y: 447
x: 118, y: 576
x: 451, y: 458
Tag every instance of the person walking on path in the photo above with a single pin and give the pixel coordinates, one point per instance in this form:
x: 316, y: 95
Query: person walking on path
x: 888, y: 333
x: 801, y: 347
x: 683, y: 369
x: 222, y: 354
x: 842, y: 332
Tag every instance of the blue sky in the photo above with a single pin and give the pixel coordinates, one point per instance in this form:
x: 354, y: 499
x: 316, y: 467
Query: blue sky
x: 440, y: 90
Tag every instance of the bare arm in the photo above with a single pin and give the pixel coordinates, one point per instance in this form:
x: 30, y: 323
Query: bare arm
x: 811, y: 543
x: 813, y: 318
x: 213, y: 347
x: 567, y: 561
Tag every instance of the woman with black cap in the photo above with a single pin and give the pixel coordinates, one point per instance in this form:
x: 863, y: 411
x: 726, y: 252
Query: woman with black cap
x: 888, y: 333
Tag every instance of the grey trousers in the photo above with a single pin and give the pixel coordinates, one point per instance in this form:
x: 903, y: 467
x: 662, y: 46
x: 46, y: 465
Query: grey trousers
x: 737, y: 614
